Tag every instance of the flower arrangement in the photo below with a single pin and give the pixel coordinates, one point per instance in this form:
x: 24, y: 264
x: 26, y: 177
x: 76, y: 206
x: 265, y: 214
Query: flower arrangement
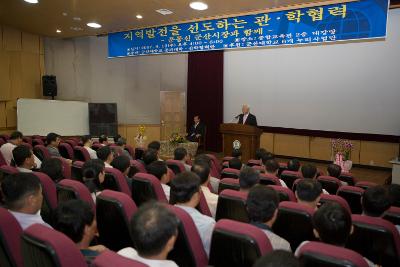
x: 141, y: 136
x: 177, y: 138
x: 343, y: 147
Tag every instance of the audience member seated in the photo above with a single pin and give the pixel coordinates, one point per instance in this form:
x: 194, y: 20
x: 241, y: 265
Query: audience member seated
x: 181, y: 154
x: 156, y: 146
x: 272, y: 168
x: 293, y: 165
x: 22, y: 195
x: 335, y: 170
x: 103, y: 140
x: 237, y: 153
x: 120, y: 148
x: 309, y: 171
x: 160, y: 170
x: 150, y: 156
x: 75, y: 219
x: 277, y: 258
x: 14, y: 141
x: 197, y: 130
x: 123, y: 164
x: 235, y: 163
x: 87, y: 144
x: 260, y: 152
x: 267, y: 156
x: 202, y: 169
x: 23, y: 158
x: 185, y: 193
x: 332, y: 225
x: 93, y: 172
x: 308, y: 192
x: 213, y: 180
x: 53, y: 168
x: 52, y: 141
x: 248, y: 178
x: 394, y: 194
x: 105, y: 154
x: 262, y: 206
x: 154, y: 230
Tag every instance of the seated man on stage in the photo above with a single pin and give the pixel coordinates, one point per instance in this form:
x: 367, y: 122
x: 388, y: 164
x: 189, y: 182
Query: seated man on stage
x: 197, y: 130
x: 246, y: 117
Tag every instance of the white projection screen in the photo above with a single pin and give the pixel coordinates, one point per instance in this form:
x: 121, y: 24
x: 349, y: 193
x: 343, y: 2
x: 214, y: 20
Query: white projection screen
x: 38, y: 116
x: 353, y: 87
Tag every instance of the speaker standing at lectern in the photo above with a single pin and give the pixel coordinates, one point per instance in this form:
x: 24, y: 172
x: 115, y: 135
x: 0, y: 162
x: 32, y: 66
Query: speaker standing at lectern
x: 246, y: 117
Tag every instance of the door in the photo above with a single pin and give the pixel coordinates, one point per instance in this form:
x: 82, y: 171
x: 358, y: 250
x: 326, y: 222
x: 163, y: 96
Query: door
x: 172, y: 113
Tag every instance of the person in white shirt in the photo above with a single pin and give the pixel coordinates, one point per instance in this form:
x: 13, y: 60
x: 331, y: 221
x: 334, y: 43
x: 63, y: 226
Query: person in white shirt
x: 185, y: 194
x: 248, y: 178
x: 154, y: 230
x: 160, y: 170
x: 87, y: 144
x: 203, y: 171
x: 335, y: 170
x: 14, y: 141
x: 23, y: 158
x: 105, y: 154
x: 22, y: 194
x: 308, y: 192
x: 214, y: 182
x: 103, y: 140
x: 310, y: 171
x: 93, y: 172
x: 262, y: 206
x: 272, y: 168
x: 332, y: 225
x: 181, y: 154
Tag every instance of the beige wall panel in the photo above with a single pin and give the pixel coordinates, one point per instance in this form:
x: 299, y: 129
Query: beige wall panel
x: 30, y: 43
x: 378, y: 153
x: 1, y: 37
x: 30, y: 75
x: 292, y: 145
x: 355, y: 153
x: 41, y: 45
x: 42, y: 68
x: 11, y: 113
x: 15, y: 74
x: 152, y: 133
x: 3, y: 121
x: 267, y: 141
x: 11, y: 39
x: 320, y: 148
x: 5, y: 84
x: 122, y: 130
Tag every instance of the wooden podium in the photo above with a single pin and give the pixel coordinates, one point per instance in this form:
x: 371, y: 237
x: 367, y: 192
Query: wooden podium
x: 248, y: 136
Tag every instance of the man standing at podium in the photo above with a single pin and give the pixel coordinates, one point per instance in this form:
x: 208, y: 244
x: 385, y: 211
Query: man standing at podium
x: 246, y: 117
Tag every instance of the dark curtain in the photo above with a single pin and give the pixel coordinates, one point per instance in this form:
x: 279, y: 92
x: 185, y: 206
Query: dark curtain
x: 205, y: 94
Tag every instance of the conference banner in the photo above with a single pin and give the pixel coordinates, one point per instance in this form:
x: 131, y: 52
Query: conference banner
x: 364, y: 19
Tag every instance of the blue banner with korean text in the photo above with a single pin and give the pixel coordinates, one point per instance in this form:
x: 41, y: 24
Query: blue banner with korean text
x: 364, y: 19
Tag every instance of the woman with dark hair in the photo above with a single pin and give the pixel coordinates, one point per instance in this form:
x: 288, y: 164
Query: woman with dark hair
x: 93, y: 172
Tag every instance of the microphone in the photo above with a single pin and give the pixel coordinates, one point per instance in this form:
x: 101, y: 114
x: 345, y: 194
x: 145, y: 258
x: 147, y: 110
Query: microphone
x: 238, y: 116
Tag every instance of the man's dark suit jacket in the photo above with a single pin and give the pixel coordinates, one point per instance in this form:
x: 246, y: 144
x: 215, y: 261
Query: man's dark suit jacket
x: 198, y: 130
x: 251, y: 120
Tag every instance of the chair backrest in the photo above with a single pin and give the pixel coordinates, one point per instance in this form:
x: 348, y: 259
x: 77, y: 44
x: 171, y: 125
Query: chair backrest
x: 336, y: 199
x: 147, y: 187
x: 376, y: 239
x: 37, y: 141
x: 6, y: 170
x: 46, y: 247
x: 226, y: 159
x: 254, y: 162
x: 67, y: 172
x: 230, y: 173
x: 365, y: 185
x: 237, y: 244
x: 68, y: 189
x: 131, y: 150
x: 294, y: 186
x: 228, y: 183
x: 49, y: 196
x: 139, y: 152
x: 261, y: 169
x: 225, y: 164
x: 110, y: 258
x: 289, y: 177
x: 269, y: 179
x: 27, y: 139
x: 76, y: 170
x: 175, y: 165
x: 319, y: 254
x: 352, y: 195
x: 66, y: 150
x: 81, y: 153
x: 96, y: 146
x: 392, y: 215
x: 2, y: 159
x: 285, y: 194
x: 116, y: 181
x: 139, y: 165
x: 72, y: 142
x: 330, y: 184
x: 347, y: 178
x: 188, y: 250
x: 114, y: 211
x: 203, y: 206
x: 294, y: 223
x: 232, y: 205
x: 41, y: 152
x: 215, y: 166
x: 10, y: 243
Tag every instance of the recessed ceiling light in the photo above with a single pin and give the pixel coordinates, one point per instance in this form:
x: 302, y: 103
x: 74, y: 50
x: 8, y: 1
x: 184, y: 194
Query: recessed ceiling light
x: 76, y: 28
x: 32, y: 1
x: 65, y: 14
x: 58, y: 31
x: 164, y: 11
x: 198, y: 5
x: 138, y: 16
x: 77, y: 18
x: 94, y: 25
